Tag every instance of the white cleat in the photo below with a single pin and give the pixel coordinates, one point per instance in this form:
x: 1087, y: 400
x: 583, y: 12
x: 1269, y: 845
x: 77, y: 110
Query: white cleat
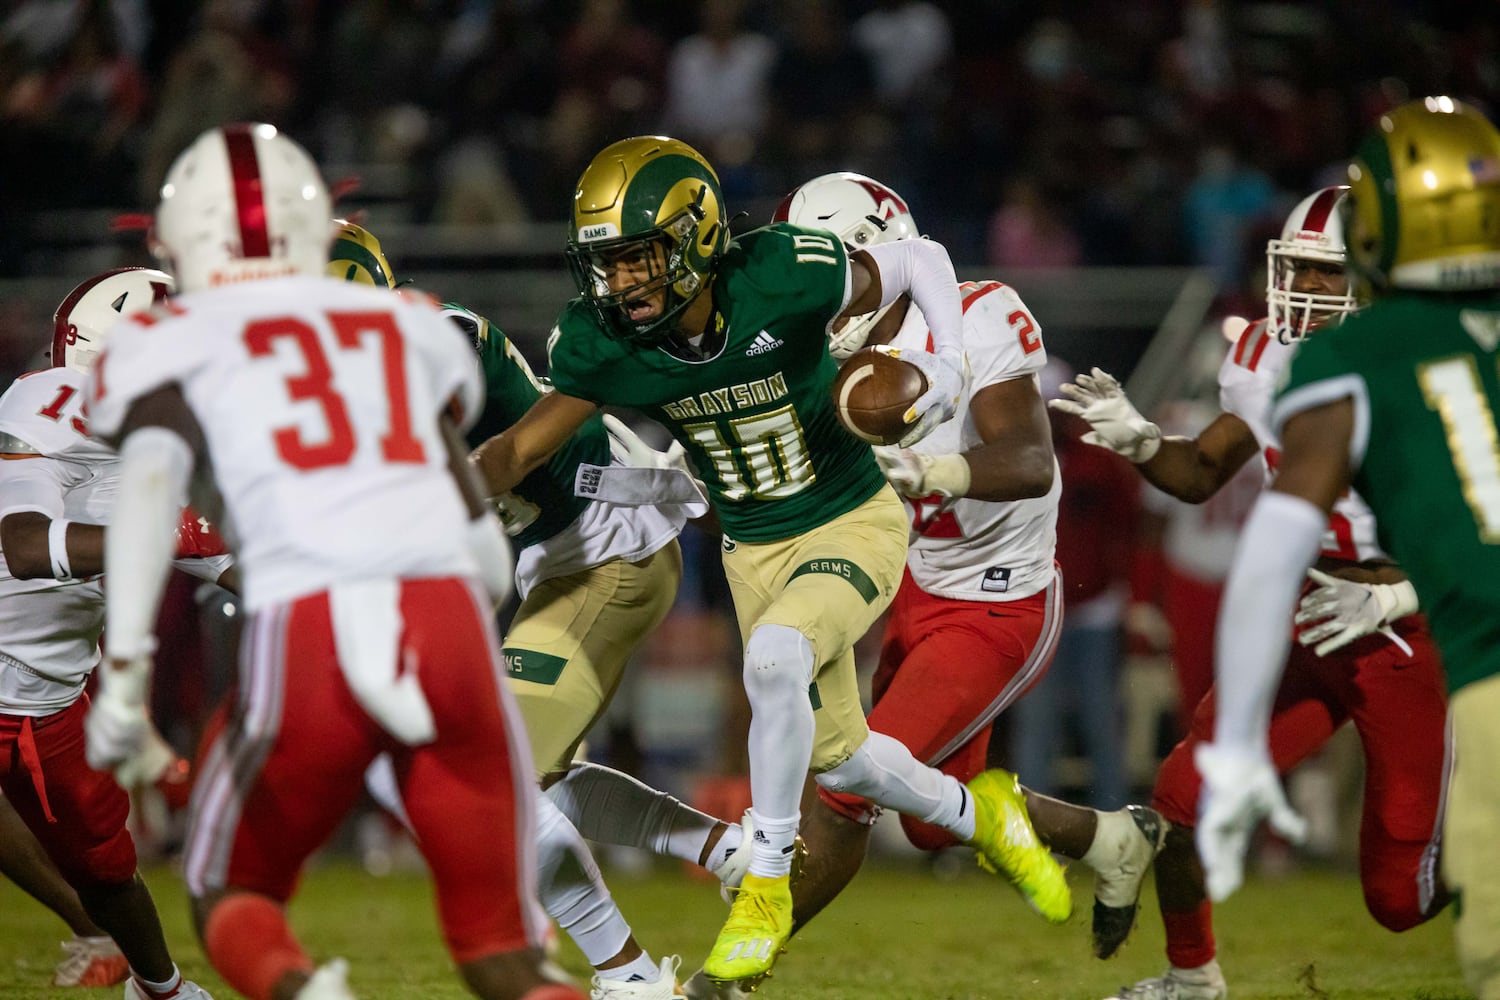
x: 186, y: 990
x: 1134, y: 838
x: 731, y: 871
x: 1203, y: 983
x: 700, y: 987
x: 91, y: 961
x: 329, y: 982
x: 664, y: 988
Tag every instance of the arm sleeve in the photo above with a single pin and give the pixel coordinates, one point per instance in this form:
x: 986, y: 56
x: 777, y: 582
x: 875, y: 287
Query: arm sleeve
x: 1281, y: 539
x: 924, y: 269
x: 155, y: 465
x: 28, y: 484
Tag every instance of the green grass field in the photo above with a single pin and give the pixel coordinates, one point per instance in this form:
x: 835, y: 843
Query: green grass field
x: 897, y: 933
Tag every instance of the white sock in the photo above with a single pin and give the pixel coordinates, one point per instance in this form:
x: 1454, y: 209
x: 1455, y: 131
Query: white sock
x: 611, y: 807
x: 641, y: 970
x: 1111, y: 830
x: 884, y: 771
x: 734, y: 835
x: 168, y: 986
x: 775, y: 837
x: 572, y: 890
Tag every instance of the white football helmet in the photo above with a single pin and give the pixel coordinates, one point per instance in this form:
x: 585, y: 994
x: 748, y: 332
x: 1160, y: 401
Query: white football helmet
x: 243, y: 203
x: 1314, y: 231
x: 86, y: 315
x: 860, y: 211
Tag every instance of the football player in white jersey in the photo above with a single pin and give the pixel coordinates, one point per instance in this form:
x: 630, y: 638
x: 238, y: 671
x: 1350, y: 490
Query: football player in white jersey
x: 975, y: 622
x: 1363, y: 653
x: 322, y: 415
x: 58, y: 486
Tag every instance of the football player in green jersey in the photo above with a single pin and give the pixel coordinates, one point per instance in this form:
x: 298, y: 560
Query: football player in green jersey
x: 594, y: 579
x: 725, y: 342
x: 1400, y: 400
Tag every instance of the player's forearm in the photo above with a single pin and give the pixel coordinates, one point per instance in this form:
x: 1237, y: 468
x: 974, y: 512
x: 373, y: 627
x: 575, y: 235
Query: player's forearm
x: 500, y: 466
x: 1001, y: 471
x: 155, y: 465
x: 924, y: 270
x: 32, y: 552
x: 1280, y: 541
x: 1180, y: 468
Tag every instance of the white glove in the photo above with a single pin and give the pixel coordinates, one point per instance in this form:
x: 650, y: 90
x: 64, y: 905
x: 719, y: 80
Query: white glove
x: 945, y: 382
x: 1116, y: 423
x: 117, y: 728
x: 627, y: 448
x: 1346, y: 611
x: 146, y: 766
x: 914, y: 474
x: 1240, y: 787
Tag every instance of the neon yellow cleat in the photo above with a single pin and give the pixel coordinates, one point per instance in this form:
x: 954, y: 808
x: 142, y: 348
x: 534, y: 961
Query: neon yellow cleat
x: 1008, y: 845
x: 755, y: 935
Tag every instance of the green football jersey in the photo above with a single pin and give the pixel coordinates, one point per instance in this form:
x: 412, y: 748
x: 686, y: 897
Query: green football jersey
x: 753, y: 402
x: 543, y: 503
x: 1424, y: 375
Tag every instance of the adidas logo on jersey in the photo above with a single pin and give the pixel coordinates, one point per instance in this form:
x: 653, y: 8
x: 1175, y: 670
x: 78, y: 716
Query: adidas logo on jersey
x: 762, y: 343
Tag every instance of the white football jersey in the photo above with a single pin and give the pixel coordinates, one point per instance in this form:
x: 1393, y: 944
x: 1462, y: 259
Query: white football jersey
x: 982, y: 550
x: 318, y: 401
x: 1247, y: 387
x: 49, y: 629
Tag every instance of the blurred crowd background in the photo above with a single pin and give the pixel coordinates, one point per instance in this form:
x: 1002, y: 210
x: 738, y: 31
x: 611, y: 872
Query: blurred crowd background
x: 1121, y: 162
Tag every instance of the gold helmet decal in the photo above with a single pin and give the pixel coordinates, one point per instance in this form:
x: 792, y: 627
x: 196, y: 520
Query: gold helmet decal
x: 636, y: 193
x: 1423, y: 209
x: 356, y: 256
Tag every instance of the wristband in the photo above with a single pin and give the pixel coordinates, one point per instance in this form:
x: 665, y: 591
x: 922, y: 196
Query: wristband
x: 57, y: 548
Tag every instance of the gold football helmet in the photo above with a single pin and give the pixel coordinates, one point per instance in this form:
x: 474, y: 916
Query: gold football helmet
x: 1423, y: 209
x: 636, y: 195
x: 356, y: 256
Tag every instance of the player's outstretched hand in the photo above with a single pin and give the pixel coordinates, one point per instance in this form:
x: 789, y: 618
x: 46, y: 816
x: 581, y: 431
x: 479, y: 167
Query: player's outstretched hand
x: 1240, y: 787
x: 627, y: 448
x: 1114, y: 421
x: 914, y: 474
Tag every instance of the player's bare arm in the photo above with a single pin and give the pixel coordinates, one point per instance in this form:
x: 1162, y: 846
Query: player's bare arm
x: 505, y: 459
x: 24, y: 537
x: 1315, y: 454
x: 1194, y: 469
x: 1016, y: 460
x: 864, y: 285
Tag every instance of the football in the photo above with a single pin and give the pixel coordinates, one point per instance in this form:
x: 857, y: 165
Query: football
x: 872, y: 393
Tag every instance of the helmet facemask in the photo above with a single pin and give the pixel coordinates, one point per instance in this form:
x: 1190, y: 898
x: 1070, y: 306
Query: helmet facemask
x: 1312, y: 238
x: 1294, y: 314
x: 662, y: 255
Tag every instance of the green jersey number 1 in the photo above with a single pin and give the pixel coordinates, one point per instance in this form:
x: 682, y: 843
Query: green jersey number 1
x: 1453, y: 389
x: 767, y: 458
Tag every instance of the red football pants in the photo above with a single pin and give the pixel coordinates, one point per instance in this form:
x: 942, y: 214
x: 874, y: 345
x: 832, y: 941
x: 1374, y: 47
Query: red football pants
x: 947, y: 669
x: 1399, y: 707
x: 290, y: 764
x: 77, y: 813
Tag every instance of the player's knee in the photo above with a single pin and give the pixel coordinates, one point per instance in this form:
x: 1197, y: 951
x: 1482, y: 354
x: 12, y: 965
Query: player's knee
x: 1175, y: 794
x: 104, y: 865
x: 855, y: 808
x: 1394, y: 902
x: 778, y: 660
x: 925, y: 836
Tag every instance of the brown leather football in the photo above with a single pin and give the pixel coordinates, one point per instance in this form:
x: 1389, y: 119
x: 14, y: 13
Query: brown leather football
x: 872, y: 393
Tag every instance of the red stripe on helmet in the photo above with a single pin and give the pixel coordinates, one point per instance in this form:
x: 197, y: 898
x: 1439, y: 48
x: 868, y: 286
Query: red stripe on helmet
x: 1321, y: 208
x: 249, y: 199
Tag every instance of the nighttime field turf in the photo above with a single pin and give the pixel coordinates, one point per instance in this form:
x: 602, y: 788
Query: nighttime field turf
x: 897, y: 933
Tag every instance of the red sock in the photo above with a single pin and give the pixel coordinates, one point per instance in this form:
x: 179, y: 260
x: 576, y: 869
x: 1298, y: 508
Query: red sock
x: 250, y: 944
x: 1190, y: 936
x: 553, y: 991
